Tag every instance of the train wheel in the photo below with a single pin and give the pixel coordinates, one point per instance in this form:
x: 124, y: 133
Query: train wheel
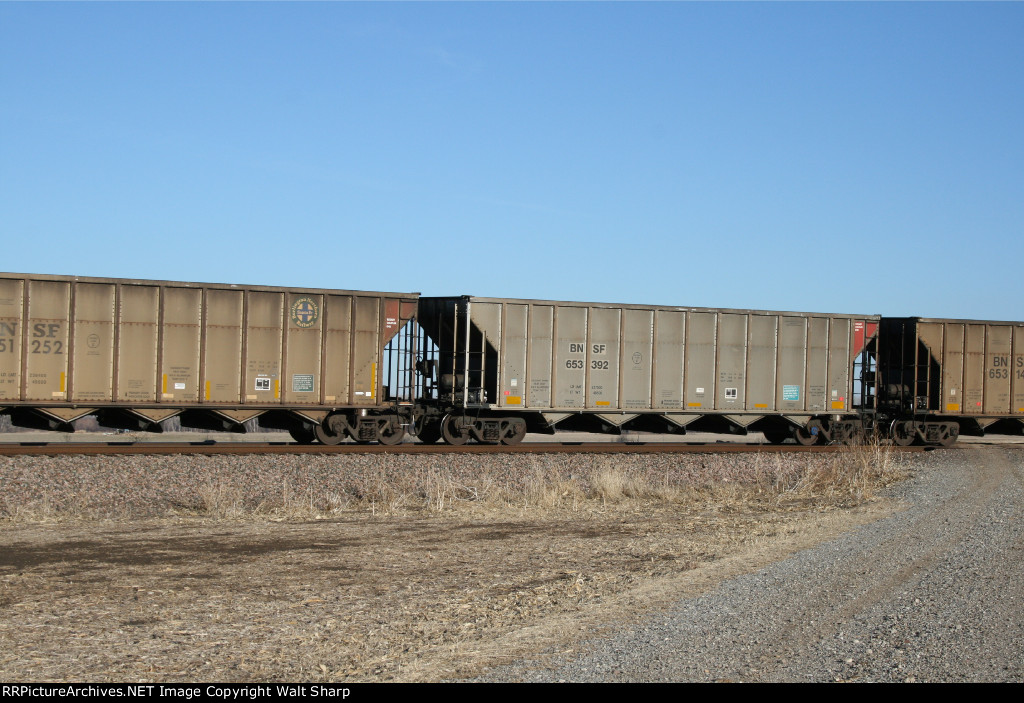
x: 950, y: 435
x: 389, y: 436
x: 326, y: 437
x: 803, y: 436
x: 452, y: 433
x: 514, y: 432
x: 903, y: 433
x: 303, y: 434
x: 429, y: 433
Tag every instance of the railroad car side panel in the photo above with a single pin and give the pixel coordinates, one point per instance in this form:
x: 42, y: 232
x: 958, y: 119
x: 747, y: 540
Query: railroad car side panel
x: 222, y: 342
x: 180, y: 348
x: 952, y: 355
x: 46, y: 341
x: 570, y: 374
x: 91, y: 377
x: 931, y: 355
x: 264, y: 313
x: 366, y: 350
x: 791, y: 388
x: 337, y: 368
x: 839, y: 358
x: 761, y: 362
x: 974, y: 370
x: 604, y: 342
x: 301, y: 375
x: 700, y: 360
x: 998, y: 356
x: 137, y: 343
x: 12, y: 330
x: 511, y: 390
x: 731, y: 362
x: 669, y: 346
x: 485, y: 366
x: 540, y: 356
x: 636, y: 363
x: 1017, y: 371
x: 817, y: 364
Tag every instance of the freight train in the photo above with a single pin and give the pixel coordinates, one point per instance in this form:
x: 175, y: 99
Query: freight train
x: 335, y: 365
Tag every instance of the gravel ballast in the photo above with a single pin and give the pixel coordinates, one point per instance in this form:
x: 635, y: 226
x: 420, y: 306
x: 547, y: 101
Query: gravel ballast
x: 932, y: 593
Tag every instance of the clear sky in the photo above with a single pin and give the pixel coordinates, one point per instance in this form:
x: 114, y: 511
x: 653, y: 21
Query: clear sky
x: 831, y: 157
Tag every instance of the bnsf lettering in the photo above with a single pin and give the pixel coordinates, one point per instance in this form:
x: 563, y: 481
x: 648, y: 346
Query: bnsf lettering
x: 1000, y: 367
x: 600, y: 348
x: 1020, y: 362
x: 577, y: 348
x: 41, y: 329
x: 10, y: 328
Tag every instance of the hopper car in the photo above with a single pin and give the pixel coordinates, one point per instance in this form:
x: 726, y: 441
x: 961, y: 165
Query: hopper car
x: 940, y: 377
x: 505, y: 367
x: 217, y: 357
x: 337, y: 365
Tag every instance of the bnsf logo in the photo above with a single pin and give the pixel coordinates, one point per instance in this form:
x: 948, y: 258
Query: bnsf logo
x: 305, y: 312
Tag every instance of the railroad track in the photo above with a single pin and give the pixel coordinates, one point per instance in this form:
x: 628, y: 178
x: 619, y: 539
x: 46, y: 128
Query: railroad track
x: 110, y: 448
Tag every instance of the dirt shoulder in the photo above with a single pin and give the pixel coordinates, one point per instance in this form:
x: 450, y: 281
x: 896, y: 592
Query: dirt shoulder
x: 403, y: 597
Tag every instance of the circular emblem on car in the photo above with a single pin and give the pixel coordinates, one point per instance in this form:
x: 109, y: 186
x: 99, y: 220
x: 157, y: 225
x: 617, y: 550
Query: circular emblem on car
x: 305, y: 312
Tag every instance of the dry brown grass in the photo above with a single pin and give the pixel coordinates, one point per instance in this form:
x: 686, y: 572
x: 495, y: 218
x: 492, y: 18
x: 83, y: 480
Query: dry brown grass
x: 37, y: 511
x: 843, y: 479
x: 771, y: 480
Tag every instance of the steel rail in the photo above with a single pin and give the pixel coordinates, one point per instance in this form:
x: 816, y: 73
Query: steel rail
x: 165, y: 448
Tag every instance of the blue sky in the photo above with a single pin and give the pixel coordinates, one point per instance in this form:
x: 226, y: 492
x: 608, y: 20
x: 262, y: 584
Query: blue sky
x: 830, y: 157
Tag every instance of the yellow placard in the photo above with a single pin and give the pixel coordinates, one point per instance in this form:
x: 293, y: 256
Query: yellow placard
x: 952, y: 407
x: 760, y: 405
x: 838, y: 404
x: 693, y: 405
x: 602, y: 402
x: 513, y: 400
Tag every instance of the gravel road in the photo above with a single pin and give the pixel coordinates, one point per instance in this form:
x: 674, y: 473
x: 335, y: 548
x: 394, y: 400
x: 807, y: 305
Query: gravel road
x: 932, y: 593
